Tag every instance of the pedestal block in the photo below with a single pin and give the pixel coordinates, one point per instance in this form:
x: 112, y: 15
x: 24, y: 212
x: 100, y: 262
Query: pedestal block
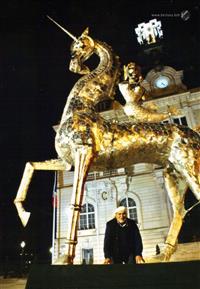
x: 175, y: 275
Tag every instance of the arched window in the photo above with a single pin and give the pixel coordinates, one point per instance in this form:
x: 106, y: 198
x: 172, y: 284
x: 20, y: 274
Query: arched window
x: 87, y: 217
x: 131, y: 208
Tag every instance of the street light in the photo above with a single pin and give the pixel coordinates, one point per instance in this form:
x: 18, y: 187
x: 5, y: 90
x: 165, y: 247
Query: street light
x: 22, y: 245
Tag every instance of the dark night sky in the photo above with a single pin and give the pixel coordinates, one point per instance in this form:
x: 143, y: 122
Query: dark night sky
x: 35, y: 81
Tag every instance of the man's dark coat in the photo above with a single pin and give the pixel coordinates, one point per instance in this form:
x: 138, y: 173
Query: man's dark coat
x: 111, y: 241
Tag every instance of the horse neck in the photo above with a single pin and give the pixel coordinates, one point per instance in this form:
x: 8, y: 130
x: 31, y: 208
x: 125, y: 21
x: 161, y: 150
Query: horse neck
x: 99, y: 84
x: 107, y: 72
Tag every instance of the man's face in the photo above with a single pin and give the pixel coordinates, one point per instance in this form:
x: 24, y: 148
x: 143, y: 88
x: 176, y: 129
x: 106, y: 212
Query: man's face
x: 121, y: 216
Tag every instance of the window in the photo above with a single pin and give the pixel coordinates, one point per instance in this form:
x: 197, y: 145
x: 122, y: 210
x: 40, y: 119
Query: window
x: 87, y: 217
x: 131, y: 208
x: 87, y: 256
x: 178, y: 120
x: 104, y: 105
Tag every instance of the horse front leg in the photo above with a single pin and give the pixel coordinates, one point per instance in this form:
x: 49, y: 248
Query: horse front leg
x: 30, y: 167
x: 176, y: 187
x: 83, y: 159
x: 22, y: 192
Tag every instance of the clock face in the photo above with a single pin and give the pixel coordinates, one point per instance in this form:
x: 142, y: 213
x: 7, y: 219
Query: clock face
x: 162, y: 82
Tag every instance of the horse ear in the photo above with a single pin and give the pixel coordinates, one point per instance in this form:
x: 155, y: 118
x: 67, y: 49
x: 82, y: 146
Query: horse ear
x: 86, y: 31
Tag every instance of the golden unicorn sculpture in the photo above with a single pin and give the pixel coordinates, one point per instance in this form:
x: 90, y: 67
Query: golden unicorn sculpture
x: 87, y: 141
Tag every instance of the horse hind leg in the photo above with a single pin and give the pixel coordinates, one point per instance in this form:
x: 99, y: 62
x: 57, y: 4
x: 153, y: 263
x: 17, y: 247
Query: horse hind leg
x: 176, y: 187
x: 184, y: 172
x: 186, y: 160
x: 191, y: 171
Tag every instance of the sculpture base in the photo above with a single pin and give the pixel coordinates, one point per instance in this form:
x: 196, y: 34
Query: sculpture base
x: 174, y: 275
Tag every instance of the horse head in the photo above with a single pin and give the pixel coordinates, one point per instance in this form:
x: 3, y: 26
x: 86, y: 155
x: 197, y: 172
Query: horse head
x: 81, y: 49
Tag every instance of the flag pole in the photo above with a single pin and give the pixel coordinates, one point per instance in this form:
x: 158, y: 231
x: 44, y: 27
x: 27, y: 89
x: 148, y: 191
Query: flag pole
x: 54, y: 217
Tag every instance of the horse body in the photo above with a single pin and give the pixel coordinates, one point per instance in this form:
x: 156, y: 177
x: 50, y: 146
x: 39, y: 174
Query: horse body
x: 122, y: 145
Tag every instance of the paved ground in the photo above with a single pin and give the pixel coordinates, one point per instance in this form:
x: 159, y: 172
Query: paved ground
x: 12, y: 283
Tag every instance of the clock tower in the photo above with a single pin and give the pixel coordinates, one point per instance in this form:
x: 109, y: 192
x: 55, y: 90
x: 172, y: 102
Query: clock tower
x: 163, y: 80
x: 160, y: 80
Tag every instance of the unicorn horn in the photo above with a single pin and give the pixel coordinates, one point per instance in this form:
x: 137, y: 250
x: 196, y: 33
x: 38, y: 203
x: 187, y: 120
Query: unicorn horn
x: 68, y: 33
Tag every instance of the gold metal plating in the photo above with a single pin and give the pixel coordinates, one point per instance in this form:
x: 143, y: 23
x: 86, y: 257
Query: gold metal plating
x: 134, y: 94
x: 88, y: 141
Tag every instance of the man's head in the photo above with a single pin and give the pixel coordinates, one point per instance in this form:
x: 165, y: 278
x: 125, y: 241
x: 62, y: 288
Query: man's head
x: 121, y: 214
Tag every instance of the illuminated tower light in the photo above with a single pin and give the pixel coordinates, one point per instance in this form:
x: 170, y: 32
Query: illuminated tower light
x: 149, y: 32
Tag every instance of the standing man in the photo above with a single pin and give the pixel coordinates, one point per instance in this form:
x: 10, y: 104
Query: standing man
x: 122, y: 243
